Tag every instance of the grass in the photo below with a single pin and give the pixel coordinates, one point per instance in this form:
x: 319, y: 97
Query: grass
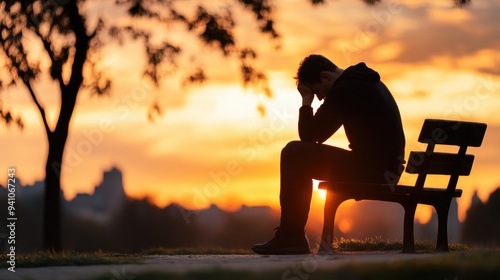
x: 340, y: 245
x: 379, y: 244
x: 45, y: 258
x: 197, y: 251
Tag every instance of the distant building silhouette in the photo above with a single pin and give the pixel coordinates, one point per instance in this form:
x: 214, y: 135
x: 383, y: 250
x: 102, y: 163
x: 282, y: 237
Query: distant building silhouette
x: 475, y: 199
x: 30, y: 193
x: 108, y: 198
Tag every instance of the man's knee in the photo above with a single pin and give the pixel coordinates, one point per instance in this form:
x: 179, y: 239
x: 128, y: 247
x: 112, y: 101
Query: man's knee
x: 293, y: 147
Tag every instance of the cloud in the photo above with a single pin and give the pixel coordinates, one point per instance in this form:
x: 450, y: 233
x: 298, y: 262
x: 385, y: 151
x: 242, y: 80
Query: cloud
x: 443, y: 31
x: 449, y: 16
x: 387, y: 51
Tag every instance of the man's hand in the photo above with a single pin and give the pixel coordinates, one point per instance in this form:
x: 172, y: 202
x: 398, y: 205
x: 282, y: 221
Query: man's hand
x: 306, y: 93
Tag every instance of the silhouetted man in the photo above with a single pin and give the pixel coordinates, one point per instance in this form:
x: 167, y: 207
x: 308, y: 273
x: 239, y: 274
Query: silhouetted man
x: 356, y: 99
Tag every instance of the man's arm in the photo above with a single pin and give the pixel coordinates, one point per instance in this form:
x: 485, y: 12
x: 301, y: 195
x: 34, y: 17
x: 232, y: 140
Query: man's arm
x: 306, y: 93
x: 316, y: 128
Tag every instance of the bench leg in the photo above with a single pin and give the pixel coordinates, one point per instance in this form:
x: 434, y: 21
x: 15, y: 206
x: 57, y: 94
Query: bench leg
x: 332, y: 203
x: 442, y: 210
x: 408, y: 238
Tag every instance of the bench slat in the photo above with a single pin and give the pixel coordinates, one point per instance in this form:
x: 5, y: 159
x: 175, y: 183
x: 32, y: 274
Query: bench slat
x: 450, y: 132
x: 358, y: 189
x: 438, y: 163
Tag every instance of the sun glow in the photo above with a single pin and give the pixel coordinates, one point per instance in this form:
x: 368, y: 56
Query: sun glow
x: 319, y: 192
x: 345, y: 225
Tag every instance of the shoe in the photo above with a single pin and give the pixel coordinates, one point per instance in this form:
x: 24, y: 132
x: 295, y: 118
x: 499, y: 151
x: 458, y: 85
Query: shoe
x: 284, y: 244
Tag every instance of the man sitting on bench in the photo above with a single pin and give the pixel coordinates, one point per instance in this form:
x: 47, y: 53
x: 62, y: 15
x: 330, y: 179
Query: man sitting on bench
x: 357, y: 99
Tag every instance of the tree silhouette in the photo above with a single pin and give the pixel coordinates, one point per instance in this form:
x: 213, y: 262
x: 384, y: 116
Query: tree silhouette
x: 71, y: 43
x: 481, y: 225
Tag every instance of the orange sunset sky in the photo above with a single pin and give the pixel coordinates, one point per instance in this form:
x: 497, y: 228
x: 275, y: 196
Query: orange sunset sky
x: 212, y: 145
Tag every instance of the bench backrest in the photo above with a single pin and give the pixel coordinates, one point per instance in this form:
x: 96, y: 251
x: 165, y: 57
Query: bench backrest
x: 445, y: 132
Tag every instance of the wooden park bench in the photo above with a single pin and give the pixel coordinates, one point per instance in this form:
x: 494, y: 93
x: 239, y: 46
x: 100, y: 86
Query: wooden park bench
x: 434, y: 132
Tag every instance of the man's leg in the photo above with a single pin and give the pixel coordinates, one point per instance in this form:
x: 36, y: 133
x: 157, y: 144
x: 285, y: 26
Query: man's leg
x: 300, y: 163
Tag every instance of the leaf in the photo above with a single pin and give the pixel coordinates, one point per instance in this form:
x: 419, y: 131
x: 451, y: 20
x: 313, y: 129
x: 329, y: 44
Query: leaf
x: 261, y: 109
x: 197, y: 77
x: 155, y: 111
x: 216, y: 29
x: 139, y: 10
x: 462, y: 3
x: 9, y: 119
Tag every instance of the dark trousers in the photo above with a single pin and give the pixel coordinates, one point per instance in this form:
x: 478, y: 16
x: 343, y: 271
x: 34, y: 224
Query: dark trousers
x: 303, y: 161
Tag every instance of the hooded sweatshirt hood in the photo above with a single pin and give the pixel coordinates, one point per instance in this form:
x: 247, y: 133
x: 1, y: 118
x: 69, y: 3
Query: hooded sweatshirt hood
x: 360, y: 71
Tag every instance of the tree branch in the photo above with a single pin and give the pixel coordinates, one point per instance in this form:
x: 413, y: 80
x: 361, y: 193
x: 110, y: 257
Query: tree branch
x: 47, y: 47
x: 40, y: 108
x: 81, y: 47
x: 99, y: 27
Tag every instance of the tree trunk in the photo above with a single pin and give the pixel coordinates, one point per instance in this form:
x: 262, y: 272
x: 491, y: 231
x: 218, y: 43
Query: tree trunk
x: 57, y: 138
x: 52, y: 213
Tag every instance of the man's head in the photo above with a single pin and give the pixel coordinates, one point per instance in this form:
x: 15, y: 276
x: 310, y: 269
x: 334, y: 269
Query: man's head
x: 318, y: 73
